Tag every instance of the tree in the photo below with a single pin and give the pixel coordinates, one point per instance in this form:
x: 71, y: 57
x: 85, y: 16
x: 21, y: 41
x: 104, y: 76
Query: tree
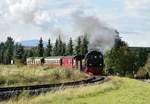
x: 19, y: 54
x: 29, y: 53
x: 49, y: 49
x: 32, y: 52
x: 119, y: 60
x: 70, y: 47
x: 55, y: 49
x: 1, y: 52
x: 84, y: 45
x: 9, y: 50
x: 78, y: 46
x: 59, y: 47
x: 64, y: 49
x: 24, y: 57
x: 40, y: 48
x: 141, y: 57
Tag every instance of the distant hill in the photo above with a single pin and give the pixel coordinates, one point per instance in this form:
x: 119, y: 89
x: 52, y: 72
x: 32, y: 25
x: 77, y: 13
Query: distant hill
x: 31, y: 43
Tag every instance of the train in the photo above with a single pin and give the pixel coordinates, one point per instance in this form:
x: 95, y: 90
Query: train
x: 92, y: 63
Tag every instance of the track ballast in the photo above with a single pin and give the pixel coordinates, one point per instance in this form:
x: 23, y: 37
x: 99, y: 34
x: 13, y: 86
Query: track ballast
x: 12, y: 92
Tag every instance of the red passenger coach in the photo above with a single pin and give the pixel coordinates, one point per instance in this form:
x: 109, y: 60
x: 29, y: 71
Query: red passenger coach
x: 68, y: 62
x: 73, y: 61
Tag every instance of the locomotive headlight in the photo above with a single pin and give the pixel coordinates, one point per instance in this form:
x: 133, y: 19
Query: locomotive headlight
x: 100, y: 64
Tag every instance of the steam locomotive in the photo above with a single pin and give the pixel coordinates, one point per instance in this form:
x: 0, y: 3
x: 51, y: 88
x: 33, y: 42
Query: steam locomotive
x: 91, y: 63
x: 94, y: 63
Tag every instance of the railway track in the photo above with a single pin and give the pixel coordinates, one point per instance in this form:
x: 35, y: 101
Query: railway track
x: 12, y: 92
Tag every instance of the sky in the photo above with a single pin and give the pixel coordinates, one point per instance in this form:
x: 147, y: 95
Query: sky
x: 32, y: 19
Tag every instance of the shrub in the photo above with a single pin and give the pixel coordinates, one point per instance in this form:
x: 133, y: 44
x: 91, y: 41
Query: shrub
x: 14, y: 76
x: 141, y: 73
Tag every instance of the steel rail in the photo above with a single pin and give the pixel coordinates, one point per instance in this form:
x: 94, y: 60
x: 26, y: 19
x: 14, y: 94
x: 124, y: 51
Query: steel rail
x: 12, y: 92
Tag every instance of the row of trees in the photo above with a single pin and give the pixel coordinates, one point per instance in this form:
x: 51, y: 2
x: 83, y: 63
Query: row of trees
x: 7, y: 51
x: 10, y: 51
x: 60, y: 48
x: 121, y: 60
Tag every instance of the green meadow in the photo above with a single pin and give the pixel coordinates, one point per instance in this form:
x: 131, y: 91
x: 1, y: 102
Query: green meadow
x: 115, y: 91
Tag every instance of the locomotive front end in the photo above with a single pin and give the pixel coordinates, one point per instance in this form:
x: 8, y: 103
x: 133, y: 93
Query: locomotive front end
x: 94, y: 63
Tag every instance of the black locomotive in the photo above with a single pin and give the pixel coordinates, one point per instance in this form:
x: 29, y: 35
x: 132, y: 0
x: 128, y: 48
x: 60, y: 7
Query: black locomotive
x: 94, y: 62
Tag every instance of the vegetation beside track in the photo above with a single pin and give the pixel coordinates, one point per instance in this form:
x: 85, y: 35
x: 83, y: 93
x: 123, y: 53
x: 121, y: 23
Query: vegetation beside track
x: 115, y: 91
x: 12, y: 75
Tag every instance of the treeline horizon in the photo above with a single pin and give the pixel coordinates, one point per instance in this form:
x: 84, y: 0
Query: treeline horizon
x: 9, y: 50
x: 120, y: 60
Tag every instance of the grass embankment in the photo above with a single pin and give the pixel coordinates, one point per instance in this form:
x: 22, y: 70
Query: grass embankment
x: 12, y: 75
x: 115, y: 91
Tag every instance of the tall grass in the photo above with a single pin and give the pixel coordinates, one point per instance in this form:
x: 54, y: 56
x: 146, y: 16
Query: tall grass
x: 13, y: 75
x: 116, y: 91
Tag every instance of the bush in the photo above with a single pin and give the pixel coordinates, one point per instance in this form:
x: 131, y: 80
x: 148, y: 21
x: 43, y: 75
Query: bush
x: 141, y: 73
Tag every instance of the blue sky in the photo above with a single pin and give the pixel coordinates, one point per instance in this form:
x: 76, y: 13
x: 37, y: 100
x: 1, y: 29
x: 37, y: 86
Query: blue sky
x: 31, y: 19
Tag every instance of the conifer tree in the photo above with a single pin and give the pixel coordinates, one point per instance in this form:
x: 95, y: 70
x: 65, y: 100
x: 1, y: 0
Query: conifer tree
x: 49, y: 49
x: 20, y: 53
x: 84, y: 46
x: 64, y: 49
x: 1, y: 52
x: 78, y: 46
x: 9, y: 50
x: 60, y: 46
x: 70, y: 47
x: 40, y: 48
x: 31, y: 53
x: 55, y: 48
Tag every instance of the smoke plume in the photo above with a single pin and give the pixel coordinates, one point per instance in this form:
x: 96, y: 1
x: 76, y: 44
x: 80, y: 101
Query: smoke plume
x: 100, y: 36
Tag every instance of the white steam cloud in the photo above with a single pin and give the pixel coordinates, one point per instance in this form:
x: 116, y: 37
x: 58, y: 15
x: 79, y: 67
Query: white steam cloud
x: 100, y: 36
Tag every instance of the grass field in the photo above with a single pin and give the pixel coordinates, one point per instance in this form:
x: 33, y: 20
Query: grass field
x: 116, y: 91
x: 12, y: 75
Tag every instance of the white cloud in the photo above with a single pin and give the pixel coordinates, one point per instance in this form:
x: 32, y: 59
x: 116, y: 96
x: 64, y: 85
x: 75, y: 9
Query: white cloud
x: 137, y: 15
x: 135, y: 22
x: 137, y: 4
x: 33, y: 10
x: 24, y: 10
x: 29, y: 19
x: 136, y: 7
x: 35, y: 17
